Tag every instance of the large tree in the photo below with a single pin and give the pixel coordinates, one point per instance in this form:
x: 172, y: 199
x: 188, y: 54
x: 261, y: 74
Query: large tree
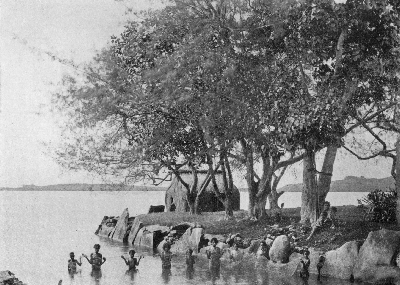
x: 245, y: 81
x: 351, y: 52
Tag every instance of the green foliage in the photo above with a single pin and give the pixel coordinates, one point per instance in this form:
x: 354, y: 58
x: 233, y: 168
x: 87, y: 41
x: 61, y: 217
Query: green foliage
x: 382, y: 205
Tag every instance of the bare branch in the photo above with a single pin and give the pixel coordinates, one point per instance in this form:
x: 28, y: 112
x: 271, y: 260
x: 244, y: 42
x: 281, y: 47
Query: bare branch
x: 290, y: 161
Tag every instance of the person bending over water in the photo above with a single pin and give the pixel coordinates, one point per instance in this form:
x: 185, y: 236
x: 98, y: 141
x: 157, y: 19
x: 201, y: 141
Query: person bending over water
x: 132, y: 262
x: 72, y: 262
x: 96, y: 258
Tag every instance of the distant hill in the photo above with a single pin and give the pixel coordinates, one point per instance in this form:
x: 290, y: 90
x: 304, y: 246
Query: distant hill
x: 350, y: 184
x: 85, y: 187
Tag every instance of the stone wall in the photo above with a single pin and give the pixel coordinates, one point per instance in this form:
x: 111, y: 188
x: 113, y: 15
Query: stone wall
x: 372, y: 260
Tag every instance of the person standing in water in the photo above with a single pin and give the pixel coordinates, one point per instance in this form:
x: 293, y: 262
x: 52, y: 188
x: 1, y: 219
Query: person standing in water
x: 305, y: 265
x: 166, y: 256
x: 132, y: 262
x: 190, y: 261
x: 96, y: 258
x: 214, y: 254
x: 72, y: 262
x: 263, y: 250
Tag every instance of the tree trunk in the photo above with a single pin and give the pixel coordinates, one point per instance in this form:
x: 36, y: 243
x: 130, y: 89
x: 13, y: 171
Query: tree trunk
x: 309, y: 195
x: 252, y: 185
x: 192, y: 194
x: 228, y: 208
x: 196, y: 205
x: 252, y: 203
x: 325, y: 177
x: 398, y: 178
x: 228, y: 186
x: 259, y: 208
x: 273, y: 198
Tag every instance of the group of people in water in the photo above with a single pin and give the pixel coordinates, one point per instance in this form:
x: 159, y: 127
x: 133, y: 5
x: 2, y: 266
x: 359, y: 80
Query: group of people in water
x: 213, y: 253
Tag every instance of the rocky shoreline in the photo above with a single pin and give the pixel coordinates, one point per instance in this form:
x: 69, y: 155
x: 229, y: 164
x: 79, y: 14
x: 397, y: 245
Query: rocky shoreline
x: 8, y: 278
x: 372, y: 260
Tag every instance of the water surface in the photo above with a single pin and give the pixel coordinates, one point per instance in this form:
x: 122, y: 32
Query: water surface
x: 39, y: 229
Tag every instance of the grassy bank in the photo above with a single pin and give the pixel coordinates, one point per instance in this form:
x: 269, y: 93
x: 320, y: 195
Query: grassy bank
x: 350, y: 225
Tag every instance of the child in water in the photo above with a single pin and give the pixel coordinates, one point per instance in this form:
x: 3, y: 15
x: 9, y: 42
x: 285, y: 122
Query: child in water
x: 320, y: 264
x: 190, y: 259
x: 96, y: 258
x: 72, y: 262
x: 132, y: 262
x: 305, y: 262
x: 263, y: 250
x: 214, y: 254
x: 234, y: 254
x: 166, y: 256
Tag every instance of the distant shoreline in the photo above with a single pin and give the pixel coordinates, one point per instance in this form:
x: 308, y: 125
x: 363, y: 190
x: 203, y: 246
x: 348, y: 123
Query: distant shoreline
x: 349, y: 184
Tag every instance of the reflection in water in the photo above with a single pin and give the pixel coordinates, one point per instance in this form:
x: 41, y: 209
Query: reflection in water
x: 96, y: 276
x: 189, y: 272
x: 166, y: 275
x: 50, y: 241
x: 74, y: 273
x: 131, y: 274
x: 215, y: 274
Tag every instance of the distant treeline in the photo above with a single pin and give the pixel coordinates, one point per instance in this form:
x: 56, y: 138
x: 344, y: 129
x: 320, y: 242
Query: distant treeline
x: 349, y: 184
x: 85, y: 187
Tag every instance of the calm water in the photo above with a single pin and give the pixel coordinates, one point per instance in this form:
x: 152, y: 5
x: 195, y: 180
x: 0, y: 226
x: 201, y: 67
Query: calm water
x: 39, y: 229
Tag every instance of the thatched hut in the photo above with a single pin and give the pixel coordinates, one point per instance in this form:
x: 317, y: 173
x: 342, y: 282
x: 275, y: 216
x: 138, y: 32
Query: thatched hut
x: 175, y: 196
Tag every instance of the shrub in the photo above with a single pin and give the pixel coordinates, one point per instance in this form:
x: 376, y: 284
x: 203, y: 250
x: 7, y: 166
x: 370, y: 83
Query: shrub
x: 381, y: 205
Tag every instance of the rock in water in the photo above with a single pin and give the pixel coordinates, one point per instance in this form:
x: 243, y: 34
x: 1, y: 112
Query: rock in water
x: 190, y: 239
x: 280, y: 249
x: 136, y: 226
x: 339, y: 263
x: 121, y: 226
x: 374, y: 262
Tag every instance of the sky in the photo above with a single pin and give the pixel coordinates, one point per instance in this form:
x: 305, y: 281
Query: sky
x: 73, y: 30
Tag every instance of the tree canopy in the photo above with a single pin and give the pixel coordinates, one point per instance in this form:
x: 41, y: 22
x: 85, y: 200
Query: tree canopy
x: 204, y: 82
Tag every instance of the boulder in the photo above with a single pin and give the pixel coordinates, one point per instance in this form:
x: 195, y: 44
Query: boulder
x: 374, y: 263
x: 280, y: 249
x: 181, y: 228
x: 292, y: 268
x: 120, y: 232
x: 220, y: 238
x: 7, y: 277
x: 190, y: 239
x: 105, y: 231
x: 136, y: 226
x: 157, y: 228
x: 144, y: 238
x: 150, y: 236
x: 295, y: 256
x: 269, y: 241
x: 339, y: 263
x: 156, y: 209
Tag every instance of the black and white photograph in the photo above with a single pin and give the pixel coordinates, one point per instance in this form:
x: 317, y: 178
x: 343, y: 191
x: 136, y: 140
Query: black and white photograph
x: 191, y: 142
